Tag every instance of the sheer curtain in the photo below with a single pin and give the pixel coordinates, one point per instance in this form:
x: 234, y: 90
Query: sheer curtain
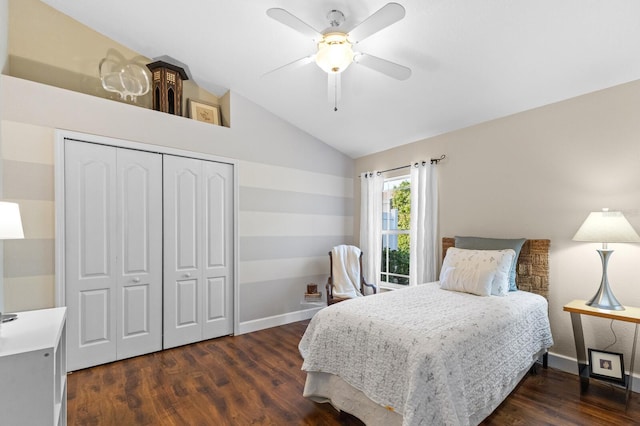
x: 423, y: 257
x: 371, y: 225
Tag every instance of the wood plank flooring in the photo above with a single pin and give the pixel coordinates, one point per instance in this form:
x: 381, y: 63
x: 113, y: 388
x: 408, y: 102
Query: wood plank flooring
x: 255, y: 379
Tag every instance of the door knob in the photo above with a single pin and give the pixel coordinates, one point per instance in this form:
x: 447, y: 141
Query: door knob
x: 187, y: 275
x: 136, y: 280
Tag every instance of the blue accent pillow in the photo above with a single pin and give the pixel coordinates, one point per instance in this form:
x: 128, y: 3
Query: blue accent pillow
x: 480, y: 243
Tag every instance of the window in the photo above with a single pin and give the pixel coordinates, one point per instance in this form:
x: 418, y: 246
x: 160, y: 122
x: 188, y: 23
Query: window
x: 396, y: 217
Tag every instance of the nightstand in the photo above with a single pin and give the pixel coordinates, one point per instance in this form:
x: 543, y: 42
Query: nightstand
x: 577, y: 308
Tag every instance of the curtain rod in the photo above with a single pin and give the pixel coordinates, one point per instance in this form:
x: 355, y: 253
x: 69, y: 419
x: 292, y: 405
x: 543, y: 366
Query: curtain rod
x: 433, y: 161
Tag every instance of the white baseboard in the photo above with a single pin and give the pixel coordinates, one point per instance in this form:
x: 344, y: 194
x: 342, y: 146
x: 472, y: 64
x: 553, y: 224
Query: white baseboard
x: 570, y: 365
x: 276, y: 320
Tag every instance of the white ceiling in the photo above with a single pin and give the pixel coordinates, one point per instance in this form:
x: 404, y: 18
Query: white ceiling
x: 471, y: 60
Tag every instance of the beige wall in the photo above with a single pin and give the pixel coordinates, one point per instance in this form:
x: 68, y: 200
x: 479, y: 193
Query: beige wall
x: 537, y: 175
x: 49, y: 47
x: 27, y: 156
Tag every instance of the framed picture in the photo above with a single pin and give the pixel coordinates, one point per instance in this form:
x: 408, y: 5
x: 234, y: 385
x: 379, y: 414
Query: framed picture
x: 207, y: 113
x: 606, y: 365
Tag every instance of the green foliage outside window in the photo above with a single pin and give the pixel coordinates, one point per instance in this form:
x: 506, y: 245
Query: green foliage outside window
x: 398, y: 260
x: 402, y: 202
x: 398, y: 264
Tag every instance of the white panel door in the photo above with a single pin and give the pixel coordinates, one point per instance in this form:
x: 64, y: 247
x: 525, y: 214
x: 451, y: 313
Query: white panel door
x: 139, y: 231
x: 90, y: 256
x: 198, y: 247
x: 218, y: 249
x: 113, y: 256
x: 183, y: 236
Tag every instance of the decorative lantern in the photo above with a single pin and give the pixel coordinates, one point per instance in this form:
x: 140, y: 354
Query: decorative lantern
x: 166, y: 84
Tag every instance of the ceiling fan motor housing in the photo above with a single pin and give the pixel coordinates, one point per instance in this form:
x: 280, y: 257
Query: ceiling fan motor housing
x: 336, y: 18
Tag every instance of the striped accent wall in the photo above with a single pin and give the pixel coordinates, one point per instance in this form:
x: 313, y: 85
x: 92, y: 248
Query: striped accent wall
x: 288, y: 221
x: 27, y: 155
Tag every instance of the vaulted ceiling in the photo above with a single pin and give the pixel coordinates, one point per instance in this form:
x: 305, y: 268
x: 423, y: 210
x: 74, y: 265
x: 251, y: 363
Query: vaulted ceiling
x: 471, y: 60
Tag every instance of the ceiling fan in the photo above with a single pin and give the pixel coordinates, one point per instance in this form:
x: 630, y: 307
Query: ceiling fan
x: 335, y: 45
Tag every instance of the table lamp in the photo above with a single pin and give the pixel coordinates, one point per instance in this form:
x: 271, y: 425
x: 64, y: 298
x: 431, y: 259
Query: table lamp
x: 606, y: 227
x: 10, y: 229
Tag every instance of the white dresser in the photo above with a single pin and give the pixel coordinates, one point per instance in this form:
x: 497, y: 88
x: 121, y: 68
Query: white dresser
x: 33, y: 369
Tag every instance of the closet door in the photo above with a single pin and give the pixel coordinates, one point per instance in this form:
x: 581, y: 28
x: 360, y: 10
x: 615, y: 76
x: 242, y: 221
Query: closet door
x: 183, y: 236
x: 198, y: 247
x: 113, y: 255
x: 139, y: 231
x: 218, y: 249
x: 90, y: 255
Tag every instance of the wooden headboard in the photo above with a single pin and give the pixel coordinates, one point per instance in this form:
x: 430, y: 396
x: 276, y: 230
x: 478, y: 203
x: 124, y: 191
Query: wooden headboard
x: 532, y: 272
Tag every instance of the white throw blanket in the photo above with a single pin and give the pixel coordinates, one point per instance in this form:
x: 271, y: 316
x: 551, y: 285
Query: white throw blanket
x: 346, y: 271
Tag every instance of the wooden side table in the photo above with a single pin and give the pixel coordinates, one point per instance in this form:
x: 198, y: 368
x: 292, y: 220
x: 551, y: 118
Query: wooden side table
x: 577, y: 308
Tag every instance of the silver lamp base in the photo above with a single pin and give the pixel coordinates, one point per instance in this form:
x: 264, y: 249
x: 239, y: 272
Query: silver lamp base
x: 604, y: 298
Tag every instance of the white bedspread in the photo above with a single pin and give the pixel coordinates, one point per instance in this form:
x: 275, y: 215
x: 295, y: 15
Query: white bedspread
x: 433, y: 356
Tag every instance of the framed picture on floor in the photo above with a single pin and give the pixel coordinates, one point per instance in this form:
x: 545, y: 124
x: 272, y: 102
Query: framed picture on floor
x: 606, y: 365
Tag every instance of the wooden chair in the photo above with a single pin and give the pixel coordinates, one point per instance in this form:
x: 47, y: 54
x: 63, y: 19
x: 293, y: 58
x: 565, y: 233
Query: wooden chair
x: 331, y: 299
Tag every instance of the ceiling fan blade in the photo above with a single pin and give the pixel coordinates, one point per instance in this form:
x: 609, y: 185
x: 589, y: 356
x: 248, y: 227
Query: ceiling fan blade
x: 291, y: 21
x: 397, y: 71
x: 385, y: 16
x: 293, y: 65
x: 334, y: 89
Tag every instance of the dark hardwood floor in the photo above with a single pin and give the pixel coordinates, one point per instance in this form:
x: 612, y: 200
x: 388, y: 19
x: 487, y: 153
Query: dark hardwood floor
x: 255, y: 379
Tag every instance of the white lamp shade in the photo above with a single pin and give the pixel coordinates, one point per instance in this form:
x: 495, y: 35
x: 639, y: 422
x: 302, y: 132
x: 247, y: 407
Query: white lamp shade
x: 10, y: 222
x: 606, y: 227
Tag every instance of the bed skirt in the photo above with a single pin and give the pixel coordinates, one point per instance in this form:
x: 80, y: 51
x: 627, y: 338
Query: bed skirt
x: 326, y: 387
x: 329, y: 388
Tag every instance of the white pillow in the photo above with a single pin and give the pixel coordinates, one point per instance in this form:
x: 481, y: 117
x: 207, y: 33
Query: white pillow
x: 468, y: 280
x: 498, y: 261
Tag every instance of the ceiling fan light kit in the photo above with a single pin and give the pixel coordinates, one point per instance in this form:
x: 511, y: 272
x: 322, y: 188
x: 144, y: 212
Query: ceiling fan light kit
x: 335, y: 48
x: 335, y: 53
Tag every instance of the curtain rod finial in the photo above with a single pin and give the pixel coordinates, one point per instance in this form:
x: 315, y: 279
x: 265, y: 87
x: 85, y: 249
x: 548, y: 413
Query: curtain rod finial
x: 437, y: 160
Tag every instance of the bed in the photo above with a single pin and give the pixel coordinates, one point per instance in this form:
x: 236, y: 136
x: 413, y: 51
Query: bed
x: 427, y: 356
